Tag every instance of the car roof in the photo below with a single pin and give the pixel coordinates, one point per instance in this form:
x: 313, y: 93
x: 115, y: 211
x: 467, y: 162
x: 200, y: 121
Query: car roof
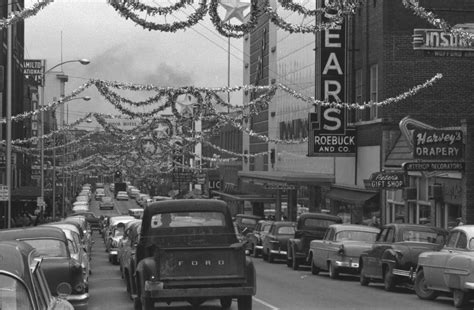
x: 120, y: 219
x: 249, y: 216
x: 37, y: 232
x: 320, y: 215
x: 284, y: 223
x: 65, y: 225
x: 340, y: 227
x: 17, y: 257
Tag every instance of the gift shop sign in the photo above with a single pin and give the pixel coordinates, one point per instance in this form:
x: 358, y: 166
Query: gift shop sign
x: 329, y: 135
x: 437, y: 144
x: 387, y: 180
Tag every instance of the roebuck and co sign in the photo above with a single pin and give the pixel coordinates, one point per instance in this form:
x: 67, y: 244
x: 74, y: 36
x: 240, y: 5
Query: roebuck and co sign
x: 329, y: 135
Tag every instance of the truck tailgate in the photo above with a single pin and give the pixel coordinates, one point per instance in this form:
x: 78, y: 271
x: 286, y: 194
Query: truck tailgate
x: 201, y: 263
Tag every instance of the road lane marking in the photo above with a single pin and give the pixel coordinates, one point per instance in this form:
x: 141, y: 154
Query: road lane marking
x: 265, y: 303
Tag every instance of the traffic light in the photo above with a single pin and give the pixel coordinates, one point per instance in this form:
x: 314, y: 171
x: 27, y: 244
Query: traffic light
x: 118, y: 174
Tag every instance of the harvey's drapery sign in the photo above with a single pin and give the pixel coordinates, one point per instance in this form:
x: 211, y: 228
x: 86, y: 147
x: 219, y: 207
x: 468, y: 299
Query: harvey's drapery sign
x: 437, y: 144
x: 329, y: 135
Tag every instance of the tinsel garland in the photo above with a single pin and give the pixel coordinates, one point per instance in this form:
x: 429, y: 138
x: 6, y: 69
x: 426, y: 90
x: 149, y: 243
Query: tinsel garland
x: 344, y: 7
x: 50, y: 106
x: 236, y: 31
x: 410, y: 93
x: 193, y: 19
x: 438, y: 22
x: 25, y: 13
x: 151, y: 10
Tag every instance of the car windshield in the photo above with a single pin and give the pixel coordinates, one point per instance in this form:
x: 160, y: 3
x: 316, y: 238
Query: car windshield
x: 286, y: 230
x: 366, y: 236
x: 48, y: 247
x: 423, y: 236
x: 13, y: 295
x: 187, y: 219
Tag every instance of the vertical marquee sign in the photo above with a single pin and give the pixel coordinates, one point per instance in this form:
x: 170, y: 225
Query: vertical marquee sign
x: 329, y: 134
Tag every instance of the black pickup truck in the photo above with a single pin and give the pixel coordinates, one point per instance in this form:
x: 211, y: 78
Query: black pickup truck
x: 188, y: 251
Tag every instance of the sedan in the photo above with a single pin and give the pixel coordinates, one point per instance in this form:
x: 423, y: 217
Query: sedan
x: 106, y: 203
x: 275, y: 242
x: 450, y: 270
x: 122, y: 195
x: 23, y: 284
x: 340, y: 249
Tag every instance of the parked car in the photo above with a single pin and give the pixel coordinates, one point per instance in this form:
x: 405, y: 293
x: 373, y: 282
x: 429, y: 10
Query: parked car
x: 122, y: 195
x: 80, y: 208
x: 86, y: 230
x: 99, y: 193
x: 275, y: 242
x: 135, y: 212
x: 450, y: 270
x: 339, y: 251
x: 134, y: 193
x: 23, y: 284
x: 254, y: 239
x: 115, y: 234
x: 142, y: 200
x: 76, y: 248
x: 246, y: 222
x: 393, y: 257
x: 107, y: 203
x: 128, y: 262
x: 194, y: 232
x: 63, y: 273
x: 91, y: 219
x: 309, y: 227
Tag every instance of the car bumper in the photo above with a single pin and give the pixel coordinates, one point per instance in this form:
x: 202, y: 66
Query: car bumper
x: 278, y: 252
x: 154, y: 289
x: 79, y: 301
x: 346, y: 264
x: 259, y: 247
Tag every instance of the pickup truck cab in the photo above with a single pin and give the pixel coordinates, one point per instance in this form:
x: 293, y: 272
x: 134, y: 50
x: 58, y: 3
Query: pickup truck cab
x: 309, y: 227
x: 188, y: 251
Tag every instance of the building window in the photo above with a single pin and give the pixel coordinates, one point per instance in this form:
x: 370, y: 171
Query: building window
x: 374, y: 89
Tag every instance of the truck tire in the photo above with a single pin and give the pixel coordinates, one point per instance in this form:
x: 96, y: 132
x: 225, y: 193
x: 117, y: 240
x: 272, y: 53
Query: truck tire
x: 388, y: 279
x: 314, y: 270
x: 460, y: 298
x: 137, y: 303
x: 226, y: 303
x: 421, y: 290
x: 294, y: 262
x: 288, y: 256
x: 333, y: 272
x: 364, y: 281
x: 244, y: 303
x: 148, y: 304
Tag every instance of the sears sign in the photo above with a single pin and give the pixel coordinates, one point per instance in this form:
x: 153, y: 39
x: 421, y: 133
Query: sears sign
x: 329, y: 134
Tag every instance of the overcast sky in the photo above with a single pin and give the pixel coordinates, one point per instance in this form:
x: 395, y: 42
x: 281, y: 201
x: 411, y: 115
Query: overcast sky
x: 119, y: 50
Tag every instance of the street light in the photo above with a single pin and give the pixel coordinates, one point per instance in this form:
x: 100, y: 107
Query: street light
x: 82, y: 62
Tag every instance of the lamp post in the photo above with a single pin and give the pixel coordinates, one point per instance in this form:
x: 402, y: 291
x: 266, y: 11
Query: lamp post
x: 82, y: 62
x: 64, y: 180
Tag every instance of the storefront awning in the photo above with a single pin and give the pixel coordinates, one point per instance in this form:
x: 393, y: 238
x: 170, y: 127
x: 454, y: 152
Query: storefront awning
x: 350, y: 196
x: 244, y: 197
x: 288, y: 176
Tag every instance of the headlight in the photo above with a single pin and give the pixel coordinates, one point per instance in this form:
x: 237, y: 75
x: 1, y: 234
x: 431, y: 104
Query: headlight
x: 64, y: 289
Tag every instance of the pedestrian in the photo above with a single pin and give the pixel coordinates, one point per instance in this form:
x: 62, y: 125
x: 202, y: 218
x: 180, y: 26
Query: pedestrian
x: 459, y: 221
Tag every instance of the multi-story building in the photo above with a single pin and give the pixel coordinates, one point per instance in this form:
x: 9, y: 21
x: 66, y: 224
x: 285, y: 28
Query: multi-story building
x: 376, y: 59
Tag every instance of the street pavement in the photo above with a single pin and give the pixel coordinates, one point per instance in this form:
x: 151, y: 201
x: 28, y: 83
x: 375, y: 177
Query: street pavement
x: 278, y: 287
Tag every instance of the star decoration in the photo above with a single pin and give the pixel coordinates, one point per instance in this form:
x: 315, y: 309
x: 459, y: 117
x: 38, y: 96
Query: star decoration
x: 234, y: 8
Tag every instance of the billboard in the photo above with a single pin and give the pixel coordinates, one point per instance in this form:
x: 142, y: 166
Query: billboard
x: 34, y: 69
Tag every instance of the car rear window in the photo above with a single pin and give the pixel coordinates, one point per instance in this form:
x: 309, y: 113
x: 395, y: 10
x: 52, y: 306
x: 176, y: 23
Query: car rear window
x: 286, y: 230
x: 13, y: 295
x: 317, y: 223
x: 366, y: 236
x: 48, y: 247
x: 423, y: 236
x: 187, y: 219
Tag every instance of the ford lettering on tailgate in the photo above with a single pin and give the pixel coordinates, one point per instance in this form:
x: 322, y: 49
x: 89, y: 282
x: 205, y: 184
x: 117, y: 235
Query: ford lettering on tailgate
x: 221, y: 262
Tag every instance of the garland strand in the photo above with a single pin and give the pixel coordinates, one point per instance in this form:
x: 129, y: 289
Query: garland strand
x: 25, y: 13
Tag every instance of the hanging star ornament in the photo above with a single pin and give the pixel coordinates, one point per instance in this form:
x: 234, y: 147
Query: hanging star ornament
x: 234, y: 8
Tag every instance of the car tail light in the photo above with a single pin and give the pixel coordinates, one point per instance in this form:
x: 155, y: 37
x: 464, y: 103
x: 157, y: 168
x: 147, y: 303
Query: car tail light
x: 80, y: 288
x: 341, y: 250
x: 64, y: 289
